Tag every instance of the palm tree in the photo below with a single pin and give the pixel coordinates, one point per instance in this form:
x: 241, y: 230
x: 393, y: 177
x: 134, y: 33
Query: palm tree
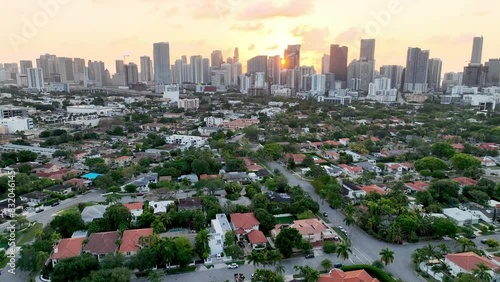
x: 466, y: 244
x: 41, y: 259
x: 443, y: 249
x: 280, y: 269
x: 39, y: 233
x: 481, y: 272
x: 255, y: 258
x: 273, y: 257
x: 166, y: 218
x: 386, y: 256
x: 55, y: 238
x: 326, y: 264
x: 154, y: 277
x: 343, y: 250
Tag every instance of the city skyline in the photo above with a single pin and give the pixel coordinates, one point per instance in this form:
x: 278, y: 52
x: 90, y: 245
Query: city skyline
x: 214, y: 25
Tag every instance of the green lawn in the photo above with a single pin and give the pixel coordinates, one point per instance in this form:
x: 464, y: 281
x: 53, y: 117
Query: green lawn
x: 68, y: 210
x: 285, y: 219
x: 28, y: 235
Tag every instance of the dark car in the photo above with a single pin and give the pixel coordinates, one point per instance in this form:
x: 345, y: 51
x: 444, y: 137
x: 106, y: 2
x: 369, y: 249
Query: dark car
x: 55, y: 204
x: 338, y: 265
x: 39, y: 210
x: 483, y: 241
x: 140, y: 194
x: 325, y: 214
x: 309, y: 256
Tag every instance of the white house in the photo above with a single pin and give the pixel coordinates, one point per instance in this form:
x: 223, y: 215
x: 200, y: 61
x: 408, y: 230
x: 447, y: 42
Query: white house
x: 143, y: 182
x: 461, y: 217
x: 220, y: 225
x: 186, y: 140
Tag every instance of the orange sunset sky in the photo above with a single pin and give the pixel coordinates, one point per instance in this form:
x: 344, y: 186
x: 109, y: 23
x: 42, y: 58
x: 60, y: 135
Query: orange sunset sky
x: 107, y: 29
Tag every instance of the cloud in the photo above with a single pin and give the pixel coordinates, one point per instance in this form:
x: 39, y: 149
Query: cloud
x: 312, y: 38
x: 248, y: 26
x: 213, y: 9
x: 251, y: 47
x: 274, y: 47
x: 266, y: 10
x: 351, y: 35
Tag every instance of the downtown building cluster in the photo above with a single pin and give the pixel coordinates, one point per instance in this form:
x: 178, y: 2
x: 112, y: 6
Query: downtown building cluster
x: 265, y: 75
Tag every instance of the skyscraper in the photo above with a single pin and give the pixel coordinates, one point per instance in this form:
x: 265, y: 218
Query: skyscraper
x: 236, y: 56
x: 236, y: 72
x: 196, y: 63
x: 434, y: 74
x: 274, y: 69
x: 47, y: 63
x: 79, y: 70
x: 35, y: 78
x: 96, y: 73
x: 146, y: 68
x: 24, y: 65
x: 338, y: 61
x: 292, y: 56
x: 394, y: 73
x: 257, y: 64
x: 416, y: 70
x: 325, y: 64
x: 493, y: 74
x: 217, y: 58
x: 360, y: 74
x: 120, y: 66
x: 161, y: 57
x: 132, y: 72
x: 477, y: 50
x: 318, y: 86
x: 206, y: 70
x: 367, y: 51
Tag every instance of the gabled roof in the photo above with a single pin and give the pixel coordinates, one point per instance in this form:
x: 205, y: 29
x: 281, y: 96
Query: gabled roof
x: 465, y: 181
x: 67, y: 248
x: 134, y: 206
x: 102, y: 243
x: 309, y: 226
x: 468, y: 261
x: 256, y: 237
x: 337, y: 275
x: 130, y: 239
x: 243, y: 220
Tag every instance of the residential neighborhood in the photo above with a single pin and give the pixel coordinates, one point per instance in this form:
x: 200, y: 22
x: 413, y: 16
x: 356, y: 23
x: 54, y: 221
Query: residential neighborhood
x: 313, y: 192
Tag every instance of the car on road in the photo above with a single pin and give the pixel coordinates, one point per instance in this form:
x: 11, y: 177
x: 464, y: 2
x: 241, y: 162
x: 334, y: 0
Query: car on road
x: 325, y: 214
x: 140, y: 194
x: 55, y: 204
x: 337, y: 265
x: 39, y: 210
x: 232, y: 266
x: 309, y: 256
x: 483, y: 241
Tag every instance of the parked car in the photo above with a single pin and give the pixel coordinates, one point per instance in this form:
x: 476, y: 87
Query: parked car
x: 325, y: 214
x: 39, y: 210
x: 140, y: 194
x: 308, y: 256
x: 483, y: 241
x: 337, y: 265
x: 55, y: 204
x: 232, y: 266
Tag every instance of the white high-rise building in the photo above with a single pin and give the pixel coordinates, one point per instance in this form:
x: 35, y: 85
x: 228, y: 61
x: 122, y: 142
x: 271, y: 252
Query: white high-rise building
x: 325, y: 64
x: 161, y: 57
x: 318, y: 84
x: 228, y: 71
x: 35, y: 78
x: 380, y: 90
x: 259, y: 80
x: 434, y: 74
x: 196, y: 63
x: 237, y: 70
x: 244, y: 83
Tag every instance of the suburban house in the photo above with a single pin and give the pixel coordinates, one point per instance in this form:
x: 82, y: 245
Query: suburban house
x: 416, y: 186
x: 257, y: 239
x: 355, y: 156
x: 297, y: 158
x: 34, y: 198
x: 332, y: 155
x: 311, y: 229
x: 370, y: 167
x: 136, y: 209
x: 461, y: 217
x: 398, y: 168
x: 374, y: 188
x: 67, y: 248
x: 240, y: 177
x: 458, y: 147
x: 59, y: 189
x: 243, y: 223
x: 352, y: 191
x: 123, y: 161
x: 102, y: 243
x: 189, y: 204
x: 78, y: 183
x: 487, y: 161
x: 142, y: 182
x: 160, y: 206
x: 130, y: 240
x: 351, y: 171
x: 337, y: 275
x: 465, y: 181
x: 219, y: 226
x: 466, y: 262
x: 91, y: 213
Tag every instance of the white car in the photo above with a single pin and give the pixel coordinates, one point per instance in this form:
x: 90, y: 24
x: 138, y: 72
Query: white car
x: 232, y: 266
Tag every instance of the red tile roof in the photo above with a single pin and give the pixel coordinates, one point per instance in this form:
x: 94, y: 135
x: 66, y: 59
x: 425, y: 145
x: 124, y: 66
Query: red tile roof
x: 102, y: 243
x: 465, y: 181
x: 67, y: 248
x: 468, y: 261
x: 418, y: 185
x: 256, y: 237
x: 332, y: 143
x: 337, y: 275
x: 297, y: 158
x: 134, y: 206
x: 130, y: 239
x: 457, y: 146
x: 208, y: 176
x: 373, y: 188
x: 243, y: 220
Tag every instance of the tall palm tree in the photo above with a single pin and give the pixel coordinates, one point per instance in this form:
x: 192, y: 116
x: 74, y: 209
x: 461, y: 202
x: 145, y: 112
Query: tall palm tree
x: 255, y: 258
x: 41, y: 259
x: 326, y: 264
x: 443, y: 249
x: 481, y: 272
x: 280, y: 269
x: 343, y: 250
x: 55, y: 238
x: 466, y: 244
x: 386, y: 256
x: 273, y: 257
